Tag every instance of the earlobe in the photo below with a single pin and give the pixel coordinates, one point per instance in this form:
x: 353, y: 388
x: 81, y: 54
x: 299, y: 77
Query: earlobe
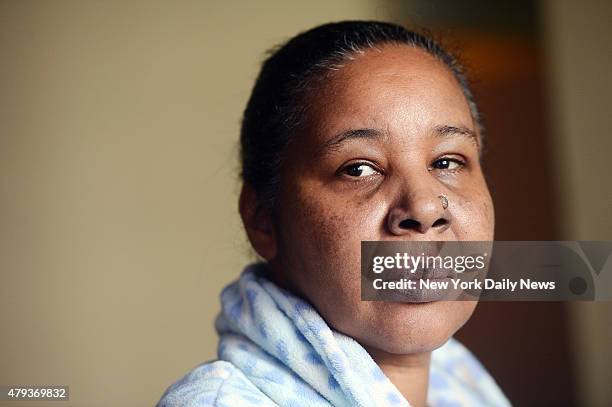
x: 257, y: 221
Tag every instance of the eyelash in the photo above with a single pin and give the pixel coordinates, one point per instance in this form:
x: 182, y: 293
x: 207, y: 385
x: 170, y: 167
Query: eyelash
x: 460, y: 162
x: 343, y: 170
x: 461, y: 165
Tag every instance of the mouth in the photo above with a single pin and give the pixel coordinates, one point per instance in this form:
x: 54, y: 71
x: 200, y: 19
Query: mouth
x: 427, y: 273
x: 423, y: 285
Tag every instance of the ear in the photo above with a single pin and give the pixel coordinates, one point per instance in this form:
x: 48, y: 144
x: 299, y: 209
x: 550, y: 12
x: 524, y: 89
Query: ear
x: 258, y: 223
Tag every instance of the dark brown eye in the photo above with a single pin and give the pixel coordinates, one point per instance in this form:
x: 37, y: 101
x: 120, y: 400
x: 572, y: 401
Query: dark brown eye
x: 447, y: 164
x: 360, y: 170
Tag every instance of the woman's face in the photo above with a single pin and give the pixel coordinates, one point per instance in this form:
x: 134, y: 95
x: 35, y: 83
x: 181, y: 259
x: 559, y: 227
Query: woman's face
x: 387, y: 134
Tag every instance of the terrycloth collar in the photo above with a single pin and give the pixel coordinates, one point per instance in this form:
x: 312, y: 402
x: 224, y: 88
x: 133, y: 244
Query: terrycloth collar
x: 287, y: 350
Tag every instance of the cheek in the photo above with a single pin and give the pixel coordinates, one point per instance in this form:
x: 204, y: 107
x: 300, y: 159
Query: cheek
x: 322, y: 251
x: 311, y: 234
x: 328, y: 222
x: 473, y: 215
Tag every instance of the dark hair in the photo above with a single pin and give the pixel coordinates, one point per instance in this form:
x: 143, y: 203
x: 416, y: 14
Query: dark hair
x: 277, y: 104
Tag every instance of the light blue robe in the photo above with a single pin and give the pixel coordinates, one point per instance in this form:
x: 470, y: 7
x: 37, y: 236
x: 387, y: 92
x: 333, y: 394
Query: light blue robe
x: 276, y: 350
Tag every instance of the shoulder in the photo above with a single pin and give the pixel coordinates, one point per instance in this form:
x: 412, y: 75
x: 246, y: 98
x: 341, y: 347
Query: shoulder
x: 213, y: 384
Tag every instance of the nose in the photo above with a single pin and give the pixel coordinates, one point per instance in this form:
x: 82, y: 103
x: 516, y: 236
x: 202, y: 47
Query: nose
x: 419, y: 212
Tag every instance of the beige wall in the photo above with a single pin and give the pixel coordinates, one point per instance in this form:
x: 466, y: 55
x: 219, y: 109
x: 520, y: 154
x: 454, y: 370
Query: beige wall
x: 580, y: 64
x: 118, y: 181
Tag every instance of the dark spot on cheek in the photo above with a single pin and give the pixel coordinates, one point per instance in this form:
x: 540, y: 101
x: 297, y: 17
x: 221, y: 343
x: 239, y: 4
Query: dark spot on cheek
x: 474, y: 215
x: 327, y: 228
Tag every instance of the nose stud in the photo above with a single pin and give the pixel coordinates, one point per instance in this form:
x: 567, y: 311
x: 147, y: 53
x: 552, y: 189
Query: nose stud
x: 444, y: 201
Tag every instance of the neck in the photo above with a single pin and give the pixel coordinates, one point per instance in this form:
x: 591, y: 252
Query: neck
x: 409, y: 373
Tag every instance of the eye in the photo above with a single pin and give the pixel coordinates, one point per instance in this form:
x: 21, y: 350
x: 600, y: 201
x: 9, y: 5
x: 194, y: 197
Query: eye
x: 359, y: 170
x: 447, y: 164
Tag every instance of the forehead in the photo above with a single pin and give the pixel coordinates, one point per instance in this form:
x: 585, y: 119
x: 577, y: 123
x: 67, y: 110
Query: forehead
x: 398, y: 88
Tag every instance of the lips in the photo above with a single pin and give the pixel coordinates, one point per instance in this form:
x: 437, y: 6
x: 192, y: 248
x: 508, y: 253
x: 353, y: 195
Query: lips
x: 426, y: 274
x: 420, y: 263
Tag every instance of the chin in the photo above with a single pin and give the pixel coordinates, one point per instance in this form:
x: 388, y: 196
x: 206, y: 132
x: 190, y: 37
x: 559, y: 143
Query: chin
x: 407, y: 328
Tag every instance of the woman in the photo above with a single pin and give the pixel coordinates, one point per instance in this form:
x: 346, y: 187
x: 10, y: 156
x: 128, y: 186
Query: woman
x: 354, y: 131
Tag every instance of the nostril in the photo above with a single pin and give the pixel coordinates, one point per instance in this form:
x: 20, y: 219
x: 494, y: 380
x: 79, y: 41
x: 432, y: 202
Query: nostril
x: 410, y: 224
x: 439, y: 222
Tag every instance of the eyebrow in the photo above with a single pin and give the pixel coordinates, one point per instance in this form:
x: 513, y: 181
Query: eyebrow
x: 440, y: 131
x: 443, y: 131
x: 340, y: 138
